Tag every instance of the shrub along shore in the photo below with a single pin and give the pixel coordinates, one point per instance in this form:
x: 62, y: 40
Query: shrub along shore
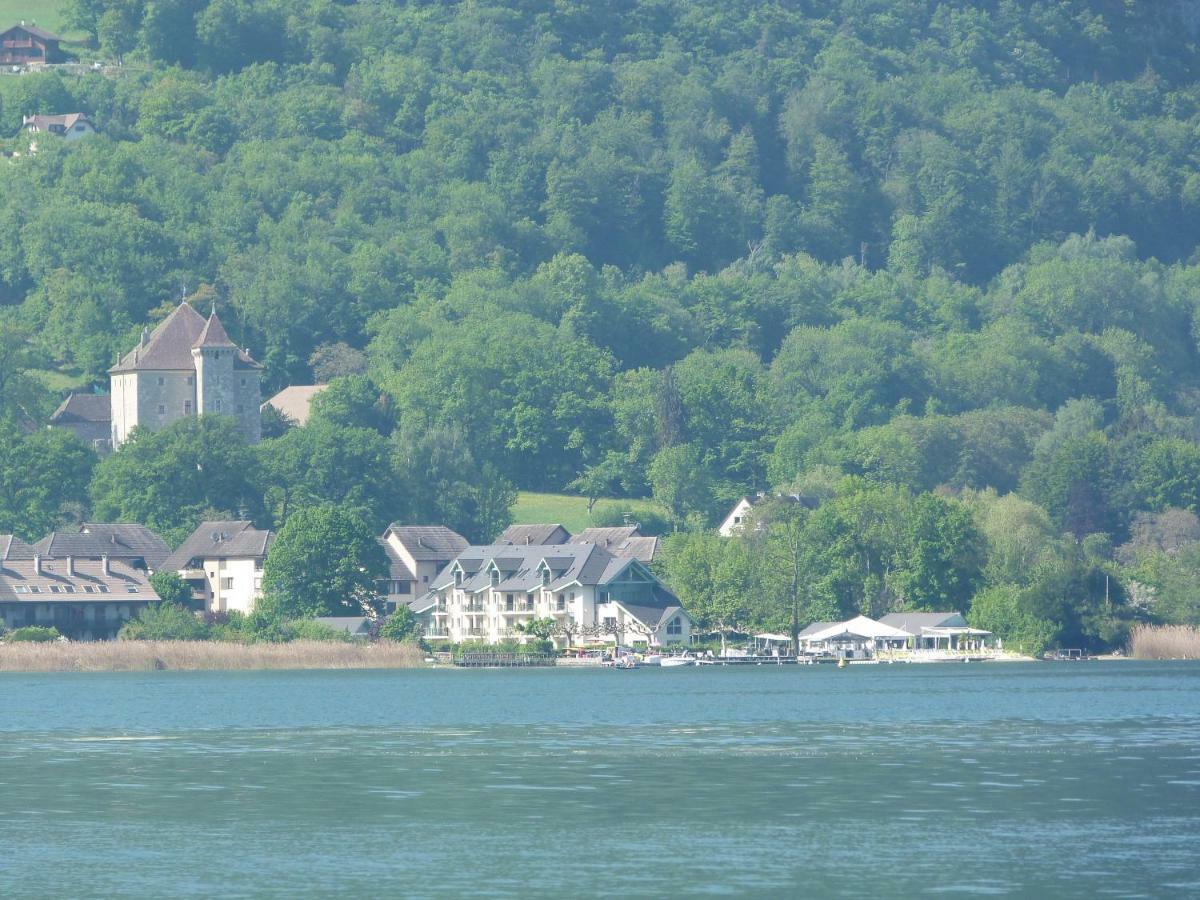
x: 140, y: 656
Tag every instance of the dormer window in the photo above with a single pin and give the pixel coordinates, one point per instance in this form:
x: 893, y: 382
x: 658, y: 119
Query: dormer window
x: 495, y: 577
x: 545, y: 578
x: 458, y: 578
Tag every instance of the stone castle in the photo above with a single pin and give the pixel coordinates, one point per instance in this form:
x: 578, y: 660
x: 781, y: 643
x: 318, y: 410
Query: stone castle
x: 187, y: 366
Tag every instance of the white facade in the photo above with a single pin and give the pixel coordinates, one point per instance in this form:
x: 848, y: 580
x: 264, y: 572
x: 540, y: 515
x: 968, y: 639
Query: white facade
x: 589, y: 594
x: 229, y: 585
x: 736, y: 519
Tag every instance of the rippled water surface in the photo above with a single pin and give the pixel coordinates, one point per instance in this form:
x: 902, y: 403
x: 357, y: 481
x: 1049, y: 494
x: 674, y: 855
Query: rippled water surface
x: 1078, y: 779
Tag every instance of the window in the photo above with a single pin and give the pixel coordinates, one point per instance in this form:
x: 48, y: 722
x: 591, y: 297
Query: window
x: 217, y: 405
x: 403, y: 587
x: 258, y: 564
x: 495, y: 578
x: 34, y: 589
x: 187, y: 407
x: 243, y: 382
x: 240, y: 408
x: 103, y: 588
x: 545, y: 578
x: 88, y: 589
x: 54, y: 588
x: 227, y: 584
x: 132, y: 590
x: 562, y: 603
x: 675, y: 626
x: 20, y: 589
x: 162, y: 409
x: 610, y: 623
x: 191, y: 379
x: 258, y: 584
x: 68, y: 589
x: 424, y: 579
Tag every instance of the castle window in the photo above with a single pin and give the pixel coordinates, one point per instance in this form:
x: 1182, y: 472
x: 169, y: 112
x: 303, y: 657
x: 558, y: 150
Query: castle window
x: 187, y: 407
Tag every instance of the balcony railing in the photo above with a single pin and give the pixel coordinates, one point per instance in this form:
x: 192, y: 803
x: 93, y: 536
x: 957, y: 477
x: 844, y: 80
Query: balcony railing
x: 519, y: 608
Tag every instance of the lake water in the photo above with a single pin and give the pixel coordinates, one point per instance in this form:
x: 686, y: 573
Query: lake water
x: 1074, y: 779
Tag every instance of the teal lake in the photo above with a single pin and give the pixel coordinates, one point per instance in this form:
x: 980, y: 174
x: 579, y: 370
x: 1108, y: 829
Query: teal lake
x: 1075, y: 779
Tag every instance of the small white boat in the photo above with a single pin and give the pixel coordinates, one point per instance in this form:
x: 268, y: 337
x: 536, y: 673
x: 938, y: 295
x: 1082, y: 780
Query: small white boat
x: 671, y: 661
x: 654, y: 659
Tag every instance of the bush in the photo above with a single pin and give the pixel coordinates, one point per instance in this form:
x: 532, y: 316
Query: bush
x: 283, y: 631
x: 35, y: 634
x: 164, y: 622
x: 402, y: 625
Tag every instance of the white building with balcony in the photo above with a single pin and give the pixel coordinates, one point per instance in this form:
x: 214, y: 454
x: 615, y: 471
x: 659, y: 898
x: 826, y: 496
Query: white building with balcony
x: 487, y: 592
x: 223, y: 564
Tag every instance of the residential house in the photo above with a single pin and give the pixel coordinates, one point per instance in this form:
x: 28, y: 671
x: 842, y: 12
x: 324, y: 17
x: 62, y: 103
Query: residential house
x: 223, y: 564
x: 185, y: 367
x: 622, y: 540
x: 487, y: 592
x: 937, y: 630
x: 295, y: 401
x: 28, y: 45
x: 531, y: 535
x: 86, y: 599
x: 416, y: 553
x: 88, y: 417
x: 742, y: 511
x: 69, y: 127
x: 136, y: 545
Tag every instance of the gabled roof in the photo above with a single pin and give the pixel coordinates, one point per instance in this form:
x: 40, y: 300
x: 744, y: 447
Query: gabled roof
x: 428, y: 542
x: 398, y: 569
x: 529, y: 535
x: 169, y: 346
x: 221, y: 540
x: 43, y: 123
x: 116, y: 541
x: 213, y: 334
x: 621, y: 540
x: 815, y: 628
x: 87, y: 583
x: 520, y: 566
x: 295, y: 401
x: 12, y: 547
x: 83, y: 408
x: 913, y: 622
x: 34, y: 30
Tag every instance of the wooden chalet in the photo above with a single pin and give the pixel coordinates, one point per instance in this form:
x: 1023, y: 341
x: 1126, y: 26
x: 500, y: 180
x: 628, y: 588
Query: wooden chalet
x: 26, y: 45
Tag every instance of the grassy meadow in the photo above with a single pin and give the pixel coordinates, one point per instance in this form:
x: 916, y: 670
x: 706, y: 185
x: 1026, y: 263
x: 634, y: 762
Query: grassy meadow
x: 45, y: 14
x: 570, y: 511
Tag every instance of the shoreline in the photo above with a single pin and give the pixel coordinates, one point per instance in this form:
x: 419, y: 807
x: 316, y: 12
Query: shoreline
x: 150, y: 656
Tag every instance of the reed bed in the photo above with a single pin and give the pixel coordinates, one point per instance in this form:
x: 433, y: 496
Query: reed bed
x: 1164, y: 642
x: 141, y: 656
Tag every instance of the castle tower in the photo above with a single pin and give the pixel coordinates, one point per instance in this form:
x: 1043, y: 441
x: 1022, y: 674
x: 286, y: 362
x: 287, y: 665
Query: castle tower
x: 227, y: 379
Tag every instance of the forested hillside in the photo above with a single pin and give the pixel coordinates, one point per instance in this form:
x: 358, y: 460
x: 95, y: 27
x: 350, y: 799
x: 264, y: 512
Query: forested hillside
x: 932, y: 265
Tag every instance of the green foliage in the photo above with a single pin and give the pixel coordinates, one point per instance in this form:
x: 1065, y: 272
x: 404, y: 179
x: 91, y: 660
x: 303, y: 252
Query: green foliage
x: 171, y: 480
x: 37, y: 634
x: 402, y: 625
x: 43, y: 480
x: 324, y: 562
x: 171, y: 589
x: 167, y: 621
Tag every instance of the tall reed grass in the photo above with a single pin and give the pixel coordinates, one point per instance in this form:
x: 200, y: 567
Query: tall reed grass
x: 138, y: 656
x: 1164, y: 642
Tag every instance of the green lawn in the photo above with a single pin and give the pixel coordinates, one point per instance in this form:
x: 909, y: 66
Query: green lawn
x: 45, y: 14
x: 567, y: 510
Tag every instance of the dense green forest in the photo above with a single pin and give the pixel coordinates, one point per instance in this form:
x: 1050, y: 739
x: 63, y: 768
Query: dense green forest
x: 931, y: 265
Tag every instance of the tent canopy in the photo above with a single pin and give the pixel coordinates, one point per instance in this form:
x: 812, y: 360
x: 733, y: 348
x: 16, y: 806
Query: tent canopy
x: 859, y: 627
